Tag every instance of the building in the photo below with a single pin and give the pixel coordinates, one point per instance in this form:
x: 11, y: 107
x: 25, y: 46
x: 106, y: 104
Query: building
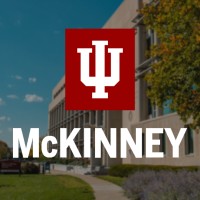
x: 146, y: 115
x: 59, y: 118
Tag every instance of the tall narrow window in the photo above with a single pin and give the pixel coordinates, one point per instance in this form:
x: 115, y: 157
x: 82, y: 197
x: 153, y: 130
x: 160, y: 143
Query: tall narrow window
x: 87, y: 116
x: 189, y: 141
x: 93, y: 117
x: 100, y: 118
x: 143, y: 144
x: 163, y: 142
x: 149, y: 41
x: 166, y: 107
x: 152, y: 110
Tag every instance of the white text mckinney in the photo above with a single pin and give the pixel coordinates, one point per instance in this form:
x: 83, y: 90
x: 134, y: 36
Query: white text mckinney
x: 67, y: 142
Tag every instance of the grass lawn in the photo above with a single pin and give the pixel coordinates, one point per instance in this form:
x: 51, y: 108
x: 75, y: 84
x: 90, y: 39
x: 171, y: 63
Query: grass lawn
x: 116, y: 180
x: 41, y: 187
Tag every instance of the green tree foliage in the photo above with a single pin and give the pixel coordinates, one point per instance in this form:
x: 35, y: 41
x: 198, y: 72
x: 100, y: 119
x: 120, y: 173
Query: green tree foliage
x: 4, y: 150
x: 176, y: 72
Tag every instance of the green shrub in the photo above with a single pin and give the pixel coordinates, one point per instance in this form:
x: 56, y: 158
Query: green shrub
x: 126, y: 169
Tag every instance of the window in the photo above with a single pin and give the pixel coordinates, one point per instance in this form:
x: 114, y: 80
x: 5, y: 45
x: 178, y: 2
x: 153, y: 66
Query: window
x: 149, y: 40
x: 143, y: 144
x: 189, y: 140
x: 100, y: 118
x: 81, y: 126
x: 93, y: 117
x: 152, y: 111
x: 87, y: 116
x: 76, y: 123
x: 166, y: 107
x: 163, y: 142
x: 149, y: 107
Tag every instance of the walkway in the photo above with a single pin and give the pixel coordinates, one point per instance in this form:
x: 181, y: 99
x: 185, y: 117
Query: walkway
x: 103, y: 190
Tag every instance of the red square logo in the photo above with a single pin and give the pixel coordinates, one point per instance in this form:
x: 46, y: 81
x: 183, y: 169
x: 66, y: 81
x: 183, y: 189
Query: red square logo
x: 100, y: 69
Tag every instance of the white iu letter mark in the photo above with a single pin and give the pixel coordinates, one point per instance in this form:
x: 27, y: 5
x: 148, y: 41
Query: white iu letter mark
x: 100, y: 81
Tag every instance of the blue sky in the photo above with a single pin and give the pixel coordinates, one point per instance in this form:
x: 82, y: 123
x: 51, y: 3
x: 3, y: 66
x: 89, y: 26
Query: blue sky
x: 32, y: 55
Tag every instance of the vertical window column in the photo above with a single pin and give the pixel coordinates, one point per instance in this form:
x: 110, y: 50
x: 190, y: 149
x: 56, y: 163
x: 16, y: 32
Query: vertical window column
x: 189, y: 141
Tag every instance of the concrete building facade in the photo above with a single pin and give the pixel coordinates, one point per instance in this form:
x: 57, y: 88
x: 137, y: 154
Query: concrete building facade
x: 60, y: 118
x: 146, y: 115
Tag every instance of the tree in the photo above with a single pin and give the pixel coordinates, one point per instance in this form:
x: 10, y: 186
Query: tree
x: 175, y: 74
x: 4, y: 150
